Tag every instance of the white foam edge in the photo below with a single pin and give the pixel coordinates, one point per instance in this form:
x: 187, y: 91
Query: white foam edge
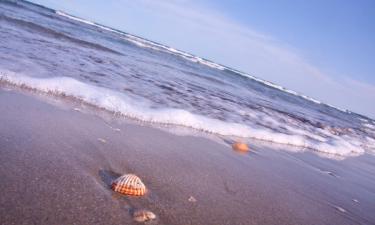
x: 120, y: 103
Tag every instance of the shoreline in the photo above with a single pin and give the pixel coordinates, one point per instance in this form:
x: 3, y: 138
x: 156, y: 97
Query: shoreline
x: 55, y: 170
x: 60, y: 95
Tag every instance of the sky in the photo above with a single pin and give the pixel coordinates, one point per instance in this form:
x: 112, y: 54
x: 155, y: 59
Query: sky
x: 324, y: 49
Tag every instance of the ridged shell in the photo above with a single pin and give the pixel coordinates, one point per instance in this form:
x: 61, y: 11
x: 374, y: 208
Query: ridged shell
x: 129, y: 184
x: 143, y: 216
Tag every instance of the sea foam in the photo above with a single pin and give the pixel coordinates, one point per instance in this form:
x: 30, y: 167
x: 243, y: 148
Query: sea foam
x: 121, y: 103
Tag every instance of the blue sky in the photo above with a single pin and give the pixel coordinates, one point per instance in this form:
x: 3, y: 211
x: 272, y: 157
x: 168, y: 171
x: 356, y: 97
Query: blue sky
x: 322, y: 48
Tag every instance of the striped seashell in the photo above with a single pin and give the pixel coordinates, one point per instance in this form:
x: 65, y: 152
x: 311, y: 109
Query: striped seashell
x: 129, y: 184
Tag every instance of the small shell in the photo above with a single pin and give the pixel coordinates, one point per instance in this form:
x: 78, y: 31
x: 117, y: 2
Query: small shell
x: 143, y: 216
x: 129, y: 184
x: 239, y: 146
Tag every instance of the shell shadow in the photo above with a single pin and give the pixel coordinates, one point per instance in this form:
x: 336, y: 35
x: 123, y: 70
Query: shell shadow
x: 107, y: 176
x: 229, y: 142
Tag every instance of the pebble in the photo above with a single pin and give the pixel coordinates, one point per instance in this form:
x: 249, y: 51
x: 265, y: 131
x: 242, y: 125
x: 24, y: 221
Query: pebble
x: 340, y: 209
x: 143, y: 216
x: 192, y: 199
x: 102, y: 140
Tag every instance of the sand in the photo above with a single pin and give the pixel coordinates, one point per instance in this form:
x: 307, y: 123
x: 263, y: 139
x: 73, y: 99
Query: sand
x: 56, y: 164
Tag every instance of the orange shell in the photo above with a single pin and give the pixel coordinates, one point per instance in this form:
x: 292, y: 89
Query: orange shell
x: 129, y: 184
x: 239, y: 146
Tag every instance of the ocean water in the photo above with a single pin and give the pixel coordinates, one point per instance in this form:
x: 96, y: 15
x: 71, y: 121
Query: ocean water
x: 56, y: 53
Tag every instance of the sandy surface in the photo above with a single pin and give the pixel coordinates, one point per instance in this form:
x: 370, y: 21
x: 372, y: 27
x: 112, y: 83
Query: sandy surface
x: 55, y: 169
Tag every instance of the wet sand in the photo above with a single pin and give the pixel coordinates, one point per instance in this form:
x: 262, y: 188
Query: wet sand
x: 56, y: 164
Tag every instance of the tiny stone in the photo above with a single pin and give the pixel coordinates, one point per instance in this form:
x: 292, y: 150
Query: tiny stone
x: 340, y: 209
x: 192, y: 199
x: 102, y: 140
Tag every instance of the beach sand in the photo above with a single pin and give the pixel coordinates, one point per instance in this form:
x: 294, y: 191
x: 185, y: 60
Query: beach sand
x: 56, y: 164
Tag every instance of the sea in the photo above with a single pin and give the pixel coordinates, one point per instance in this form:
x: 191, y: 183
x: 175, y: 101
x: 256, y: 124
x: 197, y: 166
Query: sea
x: 58, y: 54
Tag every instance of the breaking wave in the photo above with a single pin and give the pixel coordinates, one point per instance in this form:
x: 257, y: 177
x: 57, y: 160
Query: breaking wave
x: 121, y: 103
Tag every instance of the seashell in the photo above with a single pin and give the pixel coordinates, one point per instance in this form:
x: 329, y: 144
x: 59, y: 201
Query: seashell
x: 129, y: 184
x: 239, y: 146
x: 143, y: 216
